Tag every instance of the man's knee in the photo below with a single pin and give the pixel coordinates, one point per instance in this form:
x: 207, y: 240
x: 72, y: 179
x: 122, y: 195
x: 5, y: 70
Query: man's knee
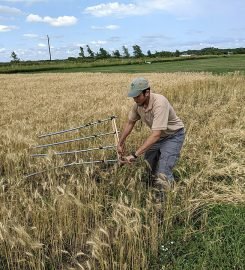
x: 162, y: 182
x: 166, y: 166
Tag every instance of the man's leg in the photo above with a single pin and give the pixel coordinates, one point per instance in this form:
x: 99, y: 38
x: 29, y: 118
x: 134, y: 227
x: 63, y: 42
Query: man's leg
x: 151, y: 158
x: 170, y: 152
x: 161, y: 158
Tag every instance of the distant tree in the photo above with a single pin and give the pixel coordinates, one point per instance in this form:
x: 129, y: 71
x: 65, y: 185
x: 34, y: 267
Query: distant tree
x: 103, y: 54
x: 14, y: 57
x: 137, y: 52
x: 116, y: 54
x: 125, y: 52
x: 237, y: 51
x: 177, y: 53
x: 90, y: 52
x: 71, y: 58
x: 81, y: 53
x: 149, y: 53
x: 163, y: 54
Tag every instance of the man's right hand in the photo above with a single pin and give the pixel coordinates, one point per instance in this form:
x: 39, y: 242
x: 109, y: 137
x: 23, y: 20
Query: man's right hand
x: 120, y: 149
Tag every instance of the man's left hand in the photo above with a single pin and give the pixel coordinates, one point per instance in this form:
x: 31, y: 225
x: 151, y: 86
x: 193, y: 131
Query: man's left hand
x: 128, y: 159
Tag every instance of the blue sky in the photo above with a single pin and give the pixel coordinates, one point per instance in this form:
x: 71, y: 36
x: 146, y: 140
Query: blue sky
x: 154, y: 25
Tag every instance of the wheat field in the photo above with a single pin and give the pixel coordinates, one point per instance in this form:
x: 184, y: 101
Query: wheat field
x: 103, y: 216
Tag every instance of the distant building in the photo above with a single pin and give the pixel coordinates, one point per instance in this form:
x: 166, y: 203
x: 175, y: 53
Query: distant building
x: 185, y: 55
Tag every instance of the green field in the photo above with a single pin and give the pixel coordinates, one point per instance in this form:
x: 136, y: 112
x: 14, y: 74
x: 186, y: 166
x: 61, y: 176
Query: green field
x: 214, y: 64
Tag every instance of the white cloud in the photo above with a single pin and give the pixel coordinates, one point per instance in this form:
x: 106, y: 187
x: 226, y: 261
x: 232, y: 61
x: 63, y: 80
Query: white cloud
x: 112, y: 27
x: 140, y: 7
x: 7, y: 28
x: 107, y: 27
x: 59, y: 21
x: 42, y: 45
x: 2, y: 50
x: 9, y: 10
x: 115, y: 8
x: 30, y: 35
x: 98, y: 42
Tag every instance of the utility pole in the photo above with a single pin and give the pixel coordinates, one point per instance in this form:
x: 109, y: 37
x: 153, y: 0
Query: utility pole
x: 49, y: 49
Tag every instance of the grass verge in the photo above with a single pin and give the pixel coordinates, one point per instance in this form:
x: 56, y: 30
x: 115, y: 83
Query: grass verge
x: 214, y: 240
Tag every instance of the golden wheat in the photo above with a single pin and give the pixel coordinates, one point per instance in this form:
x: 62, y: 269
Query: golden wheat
x: 101, y: 217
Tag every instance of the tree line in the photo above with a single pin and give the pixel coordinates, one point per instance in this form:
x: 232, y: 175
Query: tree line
x: 103, y: 54
x: 87, y: 53
x: 138, y: 53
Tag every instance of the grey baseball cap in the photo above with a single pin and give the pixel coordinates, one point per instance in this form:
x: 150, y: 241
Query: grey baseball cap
x: 137, y: 86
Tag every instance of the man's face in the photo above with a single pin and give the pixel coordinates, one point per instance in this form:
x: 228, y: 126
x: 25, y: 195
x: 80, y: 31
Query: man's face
x: 141, y: 99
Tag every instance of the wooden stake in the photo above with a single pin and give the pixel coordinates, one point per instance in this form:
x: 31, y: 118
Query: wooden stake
x: 114, y: 126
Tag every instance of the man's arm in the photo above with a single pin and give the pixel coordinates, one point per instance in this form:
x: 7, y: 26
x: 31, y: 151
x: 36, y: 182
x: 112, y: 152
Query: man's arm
x: 126, y: 131
x: 154, y: 137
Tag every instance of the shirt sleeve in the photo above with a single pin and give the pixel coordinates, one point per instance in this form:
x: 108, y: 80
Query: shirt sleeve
x: 160, y: 114
x: 133, y: 114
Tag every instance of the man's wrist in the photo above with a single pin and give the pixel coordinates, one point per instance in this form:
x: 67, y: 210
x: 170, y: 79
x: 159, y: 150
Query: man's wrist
x: 134, y: 155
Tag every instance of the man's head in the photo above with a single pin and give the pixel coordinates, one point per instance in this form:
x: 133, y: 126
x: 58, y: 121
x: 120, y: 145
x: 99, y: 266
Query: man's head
x: 137, y: 86
x: 140, y: 91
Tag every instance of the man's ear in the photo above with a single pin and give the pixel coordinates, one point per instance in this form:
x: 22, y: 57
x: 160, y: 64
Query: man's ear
x: 147, y: 93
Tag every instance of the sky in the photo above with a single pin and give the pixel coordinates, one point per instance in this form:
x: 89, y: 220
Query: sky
x: 156, y: 25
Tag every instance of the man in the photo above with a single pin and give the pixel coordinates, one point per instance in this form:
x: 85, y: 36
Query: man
x: 162, y: 147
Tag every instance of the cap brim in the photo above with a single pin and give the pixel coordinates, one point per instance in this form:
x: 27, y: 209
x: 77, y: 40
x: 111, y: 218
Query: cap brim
x: 134, y: 93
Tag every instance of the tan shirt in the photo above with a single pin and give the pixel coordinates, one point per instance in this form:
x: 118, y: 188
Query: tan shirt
x: 159, y: 115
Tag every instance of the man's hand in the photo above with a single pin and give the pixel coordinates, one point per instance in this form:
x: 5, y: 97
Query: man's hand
x: 127, y: 160
x: 120, y: 149
x: 130, y: 159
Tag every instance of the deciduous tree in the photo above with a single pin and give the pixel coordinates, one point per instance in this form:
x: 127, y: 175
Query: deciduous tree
x: 149, y: 53
x: 137, y: 52
x: 14, y: 57
x: 90, y: 52
x: 102, y: 54
x: 125, y: 52
x: 177, y: 53
x: 81, y: 53
x: 116, y: 54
